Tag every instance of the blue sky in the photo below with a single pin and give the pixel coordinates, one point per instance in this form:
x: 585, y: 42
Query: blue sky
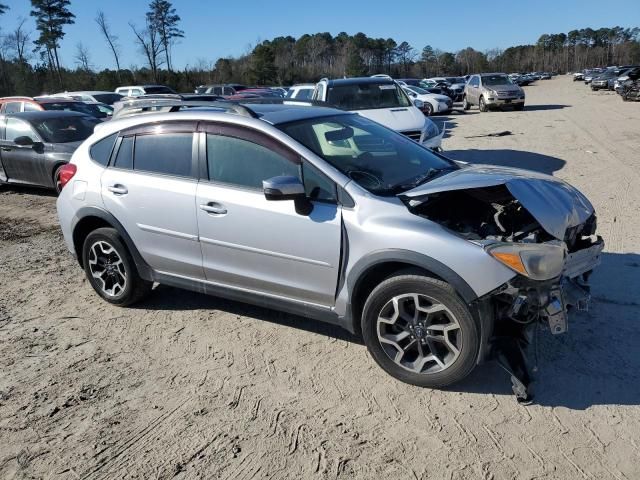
x: 216, y: 29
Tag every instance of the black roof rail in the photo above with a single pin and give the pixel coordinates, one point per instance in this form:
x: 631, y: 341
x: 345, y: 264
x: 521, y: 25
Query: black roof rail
x: 176, y: 104
x: 282, y: 101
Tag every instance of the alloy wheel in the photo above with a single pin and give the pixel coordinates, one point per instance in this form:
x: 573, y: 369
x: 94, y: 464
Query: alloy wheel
x: 106, y: 266
x: 419, y: 333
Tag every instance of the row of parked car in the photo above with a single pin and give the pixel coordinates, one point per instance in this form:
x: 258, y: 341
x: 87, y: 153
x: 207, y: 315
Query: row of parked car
x: 624, y: 80
x: 48, y: 128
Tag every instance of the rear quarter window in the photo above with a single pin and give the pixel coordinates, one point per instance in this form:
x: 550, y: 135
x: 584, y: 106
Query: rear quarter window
x: 101, y: 151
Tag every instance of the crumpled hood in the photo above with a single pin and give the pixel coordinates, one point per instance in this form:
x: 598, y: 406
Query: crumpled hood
x: 556, y: 205
x: 398, y: 119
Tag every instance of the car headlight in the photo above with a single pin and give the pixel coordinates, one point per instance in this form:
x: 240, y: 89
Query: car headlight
x: 418, y: 103
x: 430, y: 130
x: 536, y: 261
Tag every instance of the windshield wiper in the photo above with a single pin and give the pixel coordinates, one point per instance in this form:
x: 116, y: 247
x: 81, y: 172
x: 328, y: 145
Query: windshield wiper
x: 429, y: 175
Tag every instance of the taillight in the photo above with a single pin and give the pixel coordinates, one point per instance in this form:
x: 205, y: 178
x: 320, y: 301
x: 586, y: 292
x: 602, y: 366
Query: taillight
x: 66, y: 173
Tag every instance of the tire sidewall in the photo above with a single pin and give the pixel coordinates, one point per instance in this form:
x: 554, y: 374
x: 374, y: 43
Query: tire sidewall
x: 110, y: 236
x: 444, y: 294
x: 429, y: 111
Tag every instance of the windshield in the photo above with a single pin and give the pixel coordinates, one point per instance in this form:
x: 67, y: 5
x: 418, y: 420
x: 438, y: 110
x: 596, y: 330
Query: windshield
x: 496, y: 80
x: 108, y: 98
x: 455, y: 80
x: 379, y: 159
x: 65, y: 129
x: 157, y: 90
x: 418, y: 90
x: 367, y: 96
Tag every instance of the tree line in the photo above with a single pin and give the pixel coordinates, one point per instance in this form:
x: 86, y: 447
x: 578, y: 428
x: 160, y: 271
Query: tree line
x: 30, y: 61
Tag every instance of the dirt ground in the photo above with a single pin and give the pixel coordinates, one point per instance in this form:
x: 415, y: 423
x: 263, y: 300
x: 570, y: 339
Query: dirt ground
x: 189, y: 386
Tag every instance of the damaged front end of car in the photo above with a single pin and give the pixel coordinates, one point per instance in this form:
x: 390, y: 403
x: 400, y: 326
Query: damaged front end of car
x: 541, y: 228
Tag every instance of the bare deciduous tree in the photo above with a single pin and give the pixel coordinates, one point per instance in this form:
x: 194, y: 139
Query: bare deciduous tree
x: 150, y: 45
x: 17, y: 41
x: 82, y: 57
x: 111, y: 39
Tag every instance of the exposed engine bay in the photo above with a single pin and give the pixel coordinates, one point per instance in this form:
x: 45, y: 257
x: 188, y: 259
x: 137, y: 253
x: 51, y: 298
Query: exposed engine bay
x: 493, y: 214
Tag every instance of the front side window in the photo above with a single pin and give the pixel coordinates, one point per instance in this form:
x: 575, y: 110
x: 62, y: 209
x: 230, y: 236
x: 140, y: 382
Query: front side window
x: 18, y: 128
x: 12, y: 107
x: 169, y: 154
x: 65, y: 129
x: 367, y: 96
x: 243, y: 163
x: 377, y: 158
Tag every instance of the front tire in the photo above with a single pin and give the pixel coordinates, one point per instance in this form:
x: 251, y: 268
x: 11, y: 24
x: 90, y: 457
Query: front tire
x: 465, y: 103
x: 111, y: 270
x: 420, y: 332
x: 482, y: 105
x: 428, y: 109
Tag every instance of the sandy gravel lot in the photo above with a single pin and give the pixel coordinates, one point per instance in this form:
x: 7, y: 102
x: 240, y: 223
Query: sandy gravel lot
x: 189, y: 386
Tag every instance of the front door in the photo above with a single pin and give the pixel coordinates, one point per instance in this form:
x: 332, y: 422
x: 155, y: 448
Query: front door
x: 150, y: 188
x: 23, y: 163
x: 265, y: 246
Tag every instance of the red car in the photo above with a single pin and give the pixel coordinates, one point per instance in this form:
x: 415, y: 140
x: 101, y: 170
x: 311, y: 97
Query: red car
x: 28, y: 104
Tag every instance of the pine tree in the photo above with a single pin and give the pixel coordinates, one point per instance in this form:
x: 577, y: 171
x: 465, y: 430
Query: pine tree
x: 51, y: 17
x: 165, y: 20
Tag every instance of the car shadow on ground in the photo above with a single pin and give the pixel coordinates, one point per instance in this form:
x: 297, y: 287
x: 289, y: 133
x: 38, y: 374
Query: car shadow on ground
x: 27, y: 190
x: 509, y: 158
x: 169, y: 298
x: 545, y: 107
x: 597, y: 362
x: 448, y: 122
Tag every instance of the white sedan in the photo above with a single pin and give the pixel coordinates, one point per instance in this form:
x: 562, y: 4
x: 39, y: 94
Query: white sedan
x: 432, y: 102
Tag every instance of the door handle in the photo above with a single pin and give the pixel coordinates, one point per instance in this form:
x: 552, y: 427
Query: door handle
x: 118, y: 189
x: 214, y: 208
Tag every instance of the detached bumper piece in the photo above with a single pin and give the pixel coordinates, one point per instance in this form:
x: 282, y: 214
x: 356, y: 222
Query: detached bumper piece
x: 523, y: 305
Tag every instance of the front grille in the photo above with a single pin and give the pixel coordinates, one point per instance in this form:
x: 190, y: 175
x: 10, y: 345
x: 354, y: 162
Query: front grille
x: 413, y: 134
x: 506, y: 94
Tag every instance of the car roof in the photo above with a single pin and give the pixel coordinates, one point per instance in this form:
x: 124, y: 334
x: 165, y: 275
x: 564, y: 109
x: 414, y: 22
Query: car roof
x: 87, y: 92
x: 276, y: 113
x: 56, y: 100
x: 360, y: 81
x: 490, y: 74
x: 45, y: 114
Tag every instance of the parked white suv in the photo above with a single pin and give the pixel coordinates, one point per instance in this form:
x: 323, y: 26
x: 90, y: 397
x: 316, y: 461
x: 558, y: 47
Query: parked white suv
x: 303, y: 91
x: 383, y: 100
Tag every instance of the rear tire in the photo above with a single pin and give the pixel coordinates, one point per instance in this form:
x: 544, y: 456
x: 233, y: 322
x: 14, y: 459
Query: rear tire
x: 56, y: 179
x: 111, y: 270
x: 433, y: 345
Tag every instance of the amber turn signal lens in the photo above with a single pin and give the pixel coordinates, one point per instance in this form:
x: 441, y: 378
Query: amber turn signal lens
x: 511, y: 260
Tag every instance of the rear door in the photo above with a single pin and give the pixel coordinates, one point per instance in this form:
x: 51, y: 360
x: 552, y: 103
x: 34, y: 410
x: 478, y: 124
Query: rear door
x: 25, y: 164
x: 252, y: 243
x: 150, y: 187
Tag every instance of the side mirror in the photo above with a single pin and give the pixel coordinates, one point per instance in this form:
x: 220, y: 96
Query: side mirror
x: 23, y: 141
x: 287, y: 188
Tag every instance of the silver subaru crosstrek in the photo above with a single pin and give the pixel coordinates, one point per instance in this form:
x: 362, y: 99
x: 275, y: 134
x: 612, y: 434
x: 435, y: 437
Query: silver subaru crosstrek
x: 323, y: 213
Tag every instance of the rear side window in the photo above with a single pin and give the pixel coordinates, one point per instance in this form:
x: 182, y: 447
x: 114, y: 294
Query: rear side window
x: 243, y: 163
x: 31, y: 107
x: 169, y: 154
x: 101, y: 151
x: 124, y: 157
